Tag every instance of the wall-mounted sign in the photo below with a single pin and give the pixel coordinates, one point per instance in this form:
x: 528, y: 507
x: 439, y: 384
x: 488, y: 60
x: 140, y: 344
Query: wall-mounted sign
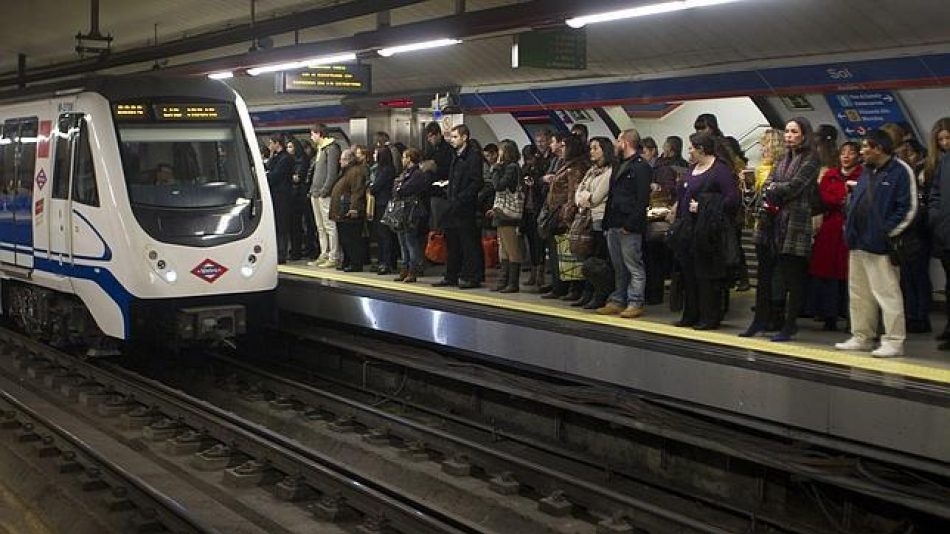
x: 329, y: 79
x: 553, y: 49
x: 859, y: 112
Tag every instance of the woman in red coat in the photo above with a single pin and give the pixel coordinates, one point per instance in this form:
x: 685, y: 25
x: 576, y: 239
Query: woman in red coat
x: 829, y: 258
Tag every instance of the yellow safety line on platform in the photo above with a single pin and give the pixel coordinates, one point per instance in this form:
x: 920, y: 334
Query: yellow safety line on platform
x: 896, y: 366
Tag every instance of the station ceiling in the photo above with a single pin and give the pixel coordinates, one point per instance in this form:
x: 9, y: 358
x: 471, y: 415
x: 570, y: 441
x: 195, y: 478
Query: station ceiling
x: 746, y: 34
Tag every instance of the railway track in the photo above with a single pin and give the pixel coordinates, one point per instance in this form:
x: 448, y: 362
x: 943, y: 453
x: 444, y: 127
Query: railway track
x: 326, y: 495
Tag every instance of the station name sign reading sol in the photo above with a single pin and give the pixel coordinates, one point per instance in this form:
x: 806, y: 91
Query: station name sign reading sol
x: 173, y: 112
x: 327, y: 80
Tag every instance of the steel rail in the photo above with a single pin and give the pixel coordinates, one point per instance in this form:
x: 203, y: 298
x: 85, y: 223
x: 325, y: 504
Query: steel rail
x: 540, y: 477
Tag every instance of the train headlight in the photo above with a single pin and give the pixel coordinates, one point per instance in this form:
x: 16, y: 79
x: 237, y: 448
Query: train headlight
x: 251, y: 261
x: 161, y: 267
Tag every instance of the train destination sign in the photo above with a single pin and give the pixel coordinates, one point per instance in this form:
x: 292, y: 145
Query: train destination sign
x: 553, y: 49
x: 328, y: 79
x: 172, y: 112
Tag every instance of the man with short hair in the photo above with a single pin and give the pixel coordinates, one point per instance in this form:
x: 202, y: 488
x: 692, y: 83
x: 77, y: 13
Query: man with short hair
x: 625, y: 223
x: 459, y: 222
x: 438, y: 151
x: 542, y: 140
x: 324, y: 172
x: 382, y: 140
x: 883, y: 205
x: 280, y: 168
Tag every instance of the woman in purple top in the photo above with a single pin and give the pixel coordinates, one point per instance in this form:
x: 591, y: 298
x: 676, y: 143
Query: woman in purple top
x: 705, y: 211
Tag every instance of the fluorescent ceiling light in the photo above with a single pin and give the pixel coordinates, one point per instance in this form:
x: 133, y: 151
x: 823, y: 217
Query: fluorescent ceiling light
x: 221, y: 75
x: 324, y: 60
x: 425, y: 45
x: 644, y: 11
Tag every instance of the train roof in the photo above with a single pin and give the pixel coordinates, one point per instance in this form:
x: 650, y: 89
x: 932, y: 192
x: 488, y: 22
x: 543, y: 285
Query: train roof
x: 127, y: 87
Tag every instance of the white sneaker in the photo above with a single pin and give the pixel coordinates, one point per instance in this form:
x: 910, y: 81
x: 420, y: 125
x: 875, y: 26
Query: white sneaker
x: 327, y: 263
x: 316, y: 263
x: 888, y: 350
x: 855, y: 344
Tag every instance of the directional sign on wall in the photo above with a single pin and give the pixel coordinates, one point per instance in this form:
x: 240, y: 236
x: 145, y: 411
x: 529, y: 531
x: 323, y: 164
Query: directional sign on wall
x: 858, y: 113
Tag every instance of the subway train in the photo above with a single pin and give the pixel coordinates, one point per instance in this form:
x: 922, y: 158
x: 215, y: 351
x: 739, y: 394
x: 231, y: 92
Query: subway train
x: 134, y: 208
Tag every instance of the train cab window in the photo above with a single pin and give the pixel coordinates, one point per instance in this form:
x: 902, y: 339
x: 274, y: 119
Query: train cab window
x: 85, y: 190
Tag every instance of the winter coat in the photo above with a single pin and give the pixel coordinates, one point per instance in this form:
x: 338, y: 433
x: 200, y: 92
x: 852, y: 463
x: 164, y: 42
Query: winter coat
x: 829, y: 254
x: 325, y: 168
x: 465, y: 181
x: 593, y: 190
x: 789, y: 230
x: 629, y: 196
x: 883, y: 204
x: 349, y: 193
x: 280, y: 168
x: 938, y: 207
x: 442, y: 154
x: 563, y: 186
x: 382, y: 189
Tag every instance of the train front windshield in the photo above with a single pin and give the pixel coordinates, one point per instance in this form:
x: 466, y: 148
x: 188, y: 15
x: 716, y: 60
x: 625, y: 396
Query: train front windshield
x: 189, y: 172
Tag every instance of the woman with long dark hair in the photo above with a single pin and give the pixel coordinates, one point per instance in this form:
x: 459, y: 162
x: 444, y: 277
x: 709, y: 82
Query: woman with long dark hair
x: 565, y: 283
x: 705, y: 212
x: 783, y: 232
x: 592, y: 195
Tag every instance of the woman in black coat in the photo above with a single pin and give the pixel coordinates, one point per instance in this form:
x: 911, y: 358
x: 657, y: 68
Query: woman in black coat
x: 381, y: 189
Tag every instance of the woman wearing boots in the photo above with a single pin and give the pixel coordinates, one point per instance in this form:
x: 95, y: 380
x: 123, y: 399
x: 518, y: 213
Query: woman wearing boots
x: 506, y: 180
x: 783, y: 231
x: 411, y: 186
x: 592, y: 195
x: 532, y: 170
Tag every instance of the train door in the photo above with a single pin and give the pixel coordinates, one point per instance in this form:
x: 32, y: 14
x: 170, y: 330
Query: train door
x: 17, y: 163
x: 60, y: 204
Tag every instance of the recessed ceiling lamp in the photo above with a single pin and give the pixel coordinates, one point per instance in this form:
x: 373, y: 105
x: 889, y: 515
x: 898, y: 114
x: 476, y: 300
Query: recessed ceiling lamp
x: 325, y: 60
x: 425, y: 45
x: 643, y: 11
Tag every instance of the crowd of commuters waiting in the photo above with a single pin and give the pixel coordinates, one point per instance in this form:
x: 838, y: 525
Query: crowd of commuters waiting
x: 841, y: 231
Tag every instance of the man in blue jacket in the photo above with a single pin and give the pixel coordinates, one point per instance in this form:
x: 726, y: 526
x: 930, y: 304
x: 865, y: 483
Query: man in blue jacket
x: 883, y: 205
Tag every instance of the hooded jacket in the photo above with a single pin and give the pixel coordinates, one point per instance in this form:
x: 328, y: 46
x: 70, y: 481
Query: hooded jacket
x: 325, y: 167
x: 883, y: 204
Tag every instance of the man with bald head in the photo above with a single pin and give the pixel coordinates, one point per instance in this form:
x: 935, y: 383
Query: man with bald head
x: 625, y: 223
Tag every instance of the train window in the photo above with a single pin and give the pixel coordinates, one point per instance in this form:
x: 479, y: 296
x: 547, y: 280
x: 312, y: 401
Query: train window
x: 175, y: 165
x: 65, y: 131
x: 26, y: 155
x: 8, y: 156
x: 85, y: 190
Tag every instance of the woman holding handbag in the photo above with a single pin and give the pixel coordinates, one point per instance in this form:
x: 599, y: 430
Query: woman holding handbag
x: 410, y: 188
x: 506, y: 214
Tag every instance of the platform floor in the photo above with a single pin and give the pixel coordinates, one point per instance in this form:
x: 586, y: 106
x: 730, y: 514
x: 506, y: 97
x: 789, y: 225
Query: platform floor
x: 922, y: 361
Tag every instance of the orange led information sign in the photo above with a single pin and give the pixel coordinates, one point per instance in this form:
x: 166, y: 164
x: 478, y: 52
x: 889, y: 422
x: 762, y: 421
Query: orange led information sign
x: 327, y: 79
x: 130, y: 112
x: 192, y: 112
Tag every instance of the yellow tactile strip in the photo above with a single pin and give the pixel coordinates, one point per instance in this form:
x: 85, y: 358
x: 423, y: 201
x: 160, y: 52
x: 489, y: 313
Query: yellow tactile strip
x: 896, y: 366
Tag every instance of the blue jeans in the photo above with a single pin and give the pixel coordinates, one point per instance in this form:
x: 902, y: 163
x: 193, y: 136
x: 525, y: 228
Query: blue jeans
x: 410, y: 242
x: 626, y: 255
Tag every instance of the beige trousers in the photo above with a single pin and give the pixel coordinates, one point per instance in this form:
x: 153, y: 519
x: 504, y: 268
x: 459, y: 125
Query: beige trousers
x: 874, y: 284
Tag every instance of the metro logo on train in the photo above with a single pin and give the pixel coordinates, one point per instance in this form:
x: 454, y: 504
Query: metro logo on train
x: 209, y: 270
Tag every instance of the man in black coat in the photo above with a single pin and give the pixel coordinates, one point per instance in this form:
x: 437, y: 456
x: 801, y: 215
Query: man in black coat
x: 463, y: 266
x: 280, y: 169
x: 625, y: 223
